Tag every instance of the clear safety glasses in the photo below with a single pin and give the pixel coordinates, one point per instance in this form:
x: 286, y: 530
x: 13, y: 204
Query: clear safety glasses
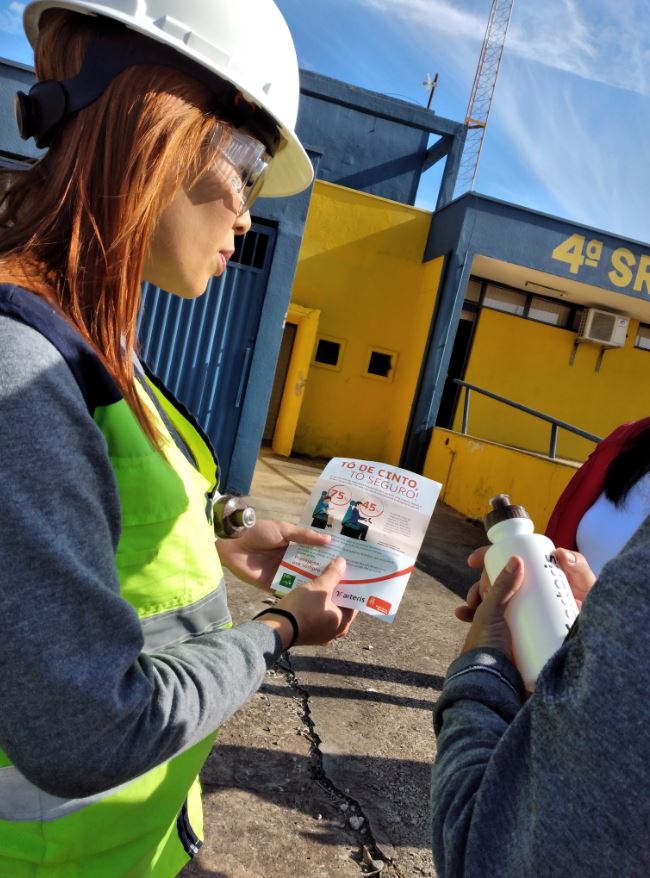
x: 240, y: 161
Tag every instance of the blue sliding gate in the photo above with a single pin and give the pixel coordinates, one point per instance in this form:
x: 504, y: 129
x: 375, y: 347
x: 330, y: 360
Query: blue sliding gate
x: 202, y: 349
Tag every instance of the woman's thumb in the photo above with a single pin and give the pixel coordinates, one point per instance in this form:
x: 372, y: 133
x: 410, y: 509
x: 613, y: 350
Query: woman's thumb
x: 331, y: 575
x: 508, y: 582
x: 576, y: 569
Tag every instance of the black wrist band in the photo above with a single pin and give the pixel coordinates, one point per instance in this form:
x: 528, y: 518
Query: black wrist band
x: 287, y: 615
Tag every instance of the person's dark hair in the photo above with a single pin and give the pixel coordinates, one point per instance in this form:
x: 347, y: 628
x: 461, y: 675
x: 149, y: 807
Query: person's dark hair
x: 632, y: 464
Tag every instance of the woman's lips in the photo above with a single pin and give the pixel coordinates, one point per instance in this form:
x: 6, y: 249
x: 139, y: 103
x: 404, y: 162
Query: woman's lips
x: 222, y: 262
x: 224, y: 256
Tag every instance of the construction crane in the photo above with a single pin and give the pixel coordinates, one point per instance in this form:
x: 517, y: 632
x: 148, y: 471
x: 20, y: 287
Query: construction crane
x: 480, y: 100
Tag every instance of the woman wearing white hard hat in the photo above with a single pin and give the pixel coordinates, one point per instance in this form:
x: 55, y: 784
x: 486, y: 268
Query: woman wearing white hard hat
x: 163, y: 120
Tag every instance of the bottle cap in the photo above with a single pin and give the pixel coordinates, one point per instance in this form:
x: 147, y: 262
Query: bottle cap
x: 502, y: 510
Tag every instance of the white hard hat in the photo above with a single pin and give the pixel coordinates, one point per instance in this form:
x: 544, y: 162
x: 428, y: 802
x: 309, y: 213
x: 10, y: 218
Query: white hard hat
x: 244, y: 42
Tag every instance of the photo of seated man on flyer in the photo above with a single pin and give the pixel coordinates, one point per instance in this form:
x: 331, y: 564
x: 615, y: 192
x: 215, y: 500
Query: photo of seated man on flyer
x: 320, y: 516
x: 352, y: 524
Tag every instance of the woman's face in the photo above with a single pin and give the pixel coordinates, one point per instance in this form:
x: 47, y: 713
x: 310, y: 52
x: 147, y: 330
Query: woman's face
x: 195, y: 236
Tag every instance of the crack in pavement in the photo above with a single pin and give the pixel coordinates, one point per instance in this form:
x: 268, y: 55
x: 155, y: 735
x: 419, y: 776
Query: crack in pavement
x: 370, y: 855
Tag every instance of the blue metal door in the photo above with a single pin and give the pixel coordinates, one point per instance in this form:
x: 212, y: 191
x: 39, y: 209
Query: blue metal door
x: 202, y: 349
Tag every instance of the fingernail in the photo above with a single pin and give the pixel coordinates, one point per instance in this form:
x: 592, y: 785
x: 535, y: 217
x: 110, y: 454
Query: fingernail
x: 511, y: 566
x: 339, y: 563
x: 571, y: 558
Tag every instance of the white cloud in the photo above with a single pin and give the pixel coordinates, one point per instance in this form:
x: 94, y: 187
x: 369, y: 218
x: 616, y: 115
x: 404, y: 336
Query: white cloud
x: 582, y: 169
x: 439, y: 15
x: 11, y: 18
x: 602, y: 42
x: 599, y: 41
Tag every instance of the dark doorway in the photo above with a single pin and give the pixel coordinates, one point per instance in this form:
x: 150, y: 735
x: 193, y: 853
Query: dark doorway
x: 284, y: 358
x: 457, y: 363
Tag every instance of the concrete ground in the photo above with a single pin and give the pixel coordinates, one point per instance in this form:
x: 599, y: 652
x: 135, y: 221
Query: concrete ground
x: 325, y: 771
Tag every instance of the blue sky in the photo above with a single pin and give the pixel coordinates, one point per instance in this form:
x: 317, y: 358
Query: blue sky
x: 569, y: 131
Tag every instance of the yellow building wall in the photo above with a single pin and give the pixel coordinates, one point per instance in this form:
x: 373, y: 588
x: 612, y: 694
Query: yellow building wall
x: 529, y: 363
x: 473, y: 471
x: 361, y: 266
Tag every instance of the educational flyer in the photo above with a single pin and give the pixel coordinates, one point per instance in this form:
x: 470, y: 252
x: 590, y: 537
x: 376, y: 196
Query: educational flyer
x: 377, y: 516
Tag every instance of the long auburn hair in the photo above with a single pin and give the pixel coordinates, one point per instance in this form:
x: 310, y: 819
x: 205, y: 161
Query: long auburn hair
x: 80, y: 221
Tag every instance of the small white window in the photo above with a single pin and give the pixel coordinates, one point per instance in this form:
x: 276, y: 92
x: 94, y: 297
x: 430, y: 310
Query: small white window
x: 329, y: 352
x: 548, y: 311
x: 643, y: 337
x: 473, y: 291
x: 381, y: 364
x: 504, y: 300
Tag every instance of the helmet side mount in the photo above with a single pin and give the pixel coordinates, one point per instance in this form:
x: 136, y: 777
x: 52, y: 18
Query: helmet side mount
x: 40, y: 110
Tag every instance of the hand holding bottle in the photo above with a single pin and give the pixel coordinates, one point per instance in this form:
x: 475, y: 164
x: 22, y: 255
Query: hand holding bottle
x: 579, y: 574
x: 489, y: 628
x: 541, y: 609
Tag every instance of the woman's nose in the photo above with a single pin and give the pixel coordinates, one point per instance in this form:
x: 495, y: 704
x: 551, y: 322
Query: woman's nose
x: 242, y: 223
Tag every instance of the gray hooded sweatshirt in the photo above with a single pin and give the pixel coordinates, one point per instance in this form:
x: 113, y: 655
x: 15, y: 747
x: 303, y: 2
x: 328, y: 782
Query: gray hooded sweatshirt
x: 558, y: 785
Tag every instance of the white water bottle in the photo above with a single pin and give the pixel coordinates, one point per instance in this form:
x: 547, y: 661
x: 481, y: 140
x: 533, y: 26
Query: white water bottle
x: 540, y: 615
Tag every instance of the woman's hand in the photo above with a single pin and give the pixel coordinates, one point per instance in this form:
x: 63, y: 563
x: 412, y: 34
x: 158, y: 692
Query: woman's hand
x: 319, y: 620
x: 574, y: 566
x: 255, y: 555
x: 579, y: 574
x: 489, y: 627
x: 478, y: 591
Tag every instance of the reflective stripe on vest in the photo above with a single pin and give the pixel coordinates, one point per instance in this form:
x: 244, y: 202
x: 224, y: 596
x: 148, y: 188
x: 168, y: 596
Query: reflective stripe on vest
x: 166, y: 629
x: 21, y: 800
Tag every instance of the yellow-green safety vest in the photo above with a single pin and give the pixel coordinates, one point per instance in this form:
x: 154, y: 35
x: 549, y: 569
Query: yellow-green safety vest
x: 169, y: 571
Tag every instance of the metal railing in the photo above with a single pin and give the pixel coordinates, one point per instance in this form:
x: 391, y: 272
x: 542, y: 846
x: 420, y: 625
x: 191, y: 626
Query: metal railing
x: 554, y: 422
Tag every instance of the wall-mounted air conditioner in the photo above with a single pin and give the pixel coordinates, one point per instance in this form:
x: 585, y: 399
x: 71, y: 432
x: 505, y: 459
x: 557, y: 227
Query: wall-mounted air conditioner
x: 603, y: 327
